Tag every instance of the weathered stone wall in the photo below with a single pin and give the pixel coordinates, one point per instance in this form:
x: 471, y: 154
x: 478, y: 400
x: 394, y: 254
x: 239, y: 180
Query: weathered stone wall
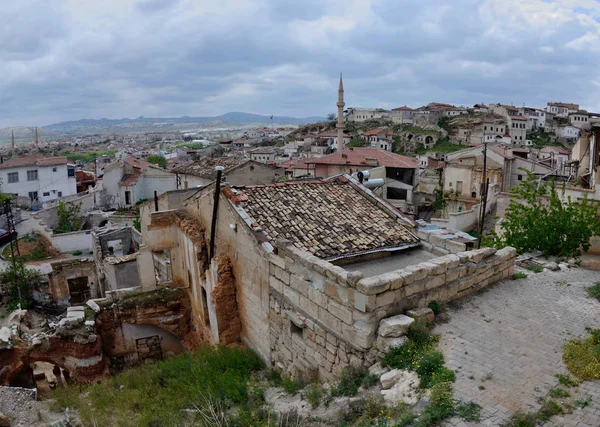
x: 323, y: 317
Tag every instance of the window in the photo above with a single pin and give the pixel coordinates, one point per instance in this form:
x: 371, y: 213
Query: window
x: 54, y: 169
x: 60, y: 194
x: 128, y: 197
x: 32, y: 175
x: 520, y: 177
x: 46, y: 193
x: 71, y: 172
x: 13, y: 177
x: 33, y: 195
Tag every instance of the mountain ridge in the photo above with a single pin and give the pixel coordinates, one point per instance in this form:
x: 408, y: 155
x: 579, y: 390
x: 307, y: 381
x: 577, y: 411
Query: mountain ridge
x: 227, y: 119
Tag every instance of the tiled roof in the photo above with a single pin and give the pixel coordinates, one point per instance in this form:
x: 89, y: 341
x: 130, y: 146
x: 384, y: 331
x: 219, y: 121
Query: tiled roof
x: 16, y: 162
x: 358, y: 157
x: 372, y: 132
x: 205, y: 167
x: 296, y: 164
x: 564, y: 105
x: 521, y: 118
x: 329, y: 218
x: 129, y: 180
x: 137, y: 162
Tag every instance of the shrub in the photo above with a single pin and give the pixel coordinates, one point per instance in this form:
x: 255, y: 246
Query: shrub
x: 535, y: 268
x: 351, y: 379
x: 537, y: 219
x: 440, y: 407
x: 313, y: 395
x: 435, y: 307
x: 558, y: 392
x: 290, y: 385
x: 419, y: 334
x: 519, y: 275
x: 77, y: 252
x: 566, y: 380
x: 470, y: 411
x: 594, y: 291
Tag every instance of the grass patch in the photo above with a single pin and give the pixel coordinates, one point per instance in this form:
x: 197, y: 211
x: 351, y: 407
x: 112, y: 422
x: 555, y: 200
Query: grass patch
x: 558, y: 392
x: 151, y: 298
x: 351, y: 379
x: 582, y: 403
x: 519, y: 275
x: 469, y: 411
x: 566, y: 380
x: 535, y: 268
x: 314, y: 394
x: 582, y: 356
x: 156, y: 393
x: 548, y: 409
x: 291, y: 386
x: 593, y: 291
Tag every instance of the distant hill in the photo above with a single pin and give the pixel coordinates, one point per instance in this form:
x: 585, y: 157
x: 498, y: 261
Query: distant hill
x: 175, y: 123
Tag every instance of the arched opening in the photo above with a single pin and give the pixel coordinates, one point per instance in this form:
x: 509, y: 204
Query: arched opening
x: 41, y: 375
x: 410, y: 136
x: 429, y: 141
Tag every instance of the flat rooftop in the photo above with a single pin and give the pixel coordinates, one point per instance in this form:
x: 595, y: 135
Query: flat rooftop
x: 396, y: 261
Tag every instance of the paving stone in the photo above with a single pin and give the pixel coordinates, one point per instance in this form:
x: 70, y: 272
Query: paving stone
x: 516, y: 330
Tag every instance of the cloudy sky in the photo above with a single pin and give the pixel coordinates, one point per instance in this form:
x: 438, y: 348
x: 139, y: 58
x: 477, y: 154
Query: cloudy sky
x: 72, y: 59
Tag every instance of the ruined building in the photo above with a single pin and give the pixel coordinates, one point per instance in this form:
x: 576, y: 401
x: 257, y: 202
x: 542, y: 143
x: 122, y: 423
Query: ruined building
x: 303, y: 272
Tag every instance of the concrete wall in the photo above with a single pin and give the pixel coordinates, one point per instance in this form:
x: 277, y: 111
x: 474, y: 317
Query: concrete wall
x: 323, y: 317
x: 126, y: 335
x: 49, y: 216
x: 76, y: 241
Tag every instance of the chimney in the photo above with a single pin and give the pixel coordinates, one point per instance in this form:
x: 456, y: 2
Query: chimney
x: 344, y: 159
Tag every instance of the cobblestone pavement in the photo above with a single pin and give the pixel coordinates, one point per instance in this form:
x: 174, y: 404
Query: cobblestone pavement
x: 505, y: 345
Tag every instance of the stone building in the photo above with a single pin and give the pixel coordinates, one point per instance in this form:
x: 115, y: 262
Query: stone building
x: 303, y: 272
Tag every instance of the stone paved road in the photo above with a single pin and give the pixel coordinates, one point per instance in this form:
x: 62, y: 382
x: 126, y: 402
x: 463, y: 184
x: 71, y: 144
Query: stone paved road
x: 513, y: 334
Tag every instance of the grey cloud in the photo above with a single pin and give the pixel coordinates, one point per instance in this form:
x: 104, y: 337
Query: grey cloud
x: 272, y: 57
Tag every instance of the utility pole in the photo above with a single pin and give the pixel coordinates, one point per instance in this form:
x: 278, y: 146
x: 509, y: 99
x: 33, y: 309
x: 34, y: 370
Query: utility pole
x: 484, y: 189
x: 36, y: 138
x: 12, y: 138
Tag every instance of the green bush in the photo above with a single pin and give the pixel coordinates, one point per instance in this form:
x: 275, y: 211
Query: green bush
x: 519, y: 275
x: 470, y: 411
x: 435, y: 307
x: 594, y: 291
x: 291, y: 386
x: 535, y: 268
x: 313, y: 394
x: 351, y: 379
x: 77, y: 252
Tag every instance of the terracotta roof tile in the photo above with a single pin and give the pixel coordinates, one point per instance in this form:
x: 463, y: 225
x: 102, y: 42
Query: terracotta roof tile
x: 16, y: 162
x: 205, y: 167
x: 358, y: 156
x: 129, y: 180
x: 327, y: 218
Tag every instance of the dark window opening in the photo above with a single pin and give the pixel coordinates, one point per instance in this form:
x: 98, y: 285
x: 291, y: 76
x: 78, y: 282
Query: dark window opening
x: 128, y: 197
x: 295, y: 329
x: 205, y: 307
x: 397, y: 193
x: 520, y: 177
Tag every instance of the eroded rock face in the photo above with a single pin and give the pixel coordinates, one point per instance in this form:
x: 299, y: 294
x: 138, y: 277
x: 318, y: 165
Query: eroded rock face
x: 400, y: 387
x: 80, y: 353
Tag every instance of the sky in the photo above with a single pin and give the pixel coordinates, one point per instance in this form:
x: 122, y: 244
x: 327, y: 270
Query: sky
x: 71, y: 59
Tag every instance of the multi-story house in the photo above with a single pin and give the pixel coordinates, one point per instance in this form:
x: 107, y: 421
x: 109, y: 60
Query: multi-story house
x: 40, y: 179
x: 379, y: 138
x: 518, y: 129
x: 402, y: 115
x: 562, y: 109
x: 580, y: 120
x: 364, y: 114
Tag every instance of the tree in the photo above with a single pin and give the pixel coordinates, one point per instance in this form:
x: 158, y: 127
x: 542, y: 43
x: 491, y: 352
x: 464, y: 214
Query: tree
x: 538, y: 218
x: 68, y: 217
x: 21, y: 282
x: 157, y: 160
x: 354, y: 142
x: 331, y: 118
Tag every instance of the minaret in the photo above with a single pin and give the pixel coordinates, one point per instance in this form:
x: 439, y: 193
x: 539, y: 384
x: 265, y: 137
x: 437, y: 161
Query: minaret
x: 340, y: 123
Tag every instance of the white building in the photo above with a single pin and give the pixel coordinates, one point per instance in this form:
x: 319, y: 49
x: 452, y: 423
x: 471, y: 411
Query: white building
x: 567, y: 132
x: 580, y: 120
x: 130, y: 180
x: 518, y: 129
x: 364, y: 114
x: 402, y: 115
x: 41, y: 179
x: 562, y: 109
x: 263, y: 154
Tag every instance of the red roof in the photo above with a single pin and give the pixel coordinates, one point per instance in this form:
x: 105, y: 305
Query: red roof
x: 359, y: 156
x: 129, y: 180
x: 16, y: 162
x: 372, y: 132
x: 137, y: 162
x: 296, y: 164
x: 518, y: 118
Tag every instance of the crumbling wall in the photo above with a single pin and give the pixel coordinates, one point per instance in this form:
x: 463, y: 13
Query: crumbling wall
x: 224, y: 299
x: 63, y: 271
x: 323, y: 317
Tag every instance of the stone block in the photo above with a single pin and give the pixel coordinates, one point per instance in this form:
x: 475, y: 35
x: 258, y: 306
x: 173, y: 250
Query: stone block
x: 93, y: 305
x: 437, y: 240
x: 416, y: 271
x: 282, y: 275
x: 292, y: 296
x: 309, y: 307
x: 296, y: 318
x: 384, y: 344
x: 373, y: 285
x: 317, y: 297
x: 276, y: 284
x: 278, y: 261
x: 299, y: 284
x: 331, y: 290
x: 385, y: 299
x: 435, y: 268
x: 390, y: 378
x: 422, y: 313
x: 339, y: 311
x: 90, y: 323
x: 415, y: 288
x: 454, y: 247
x: 453, y: 274
x: 479, y: 255
x: 436, y: 250
x: 378, y: 370
x: 75, y: 308
x: 395, y: 326
x: 329, y: 320
x: 405, y: 390
x: 433, y: 282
